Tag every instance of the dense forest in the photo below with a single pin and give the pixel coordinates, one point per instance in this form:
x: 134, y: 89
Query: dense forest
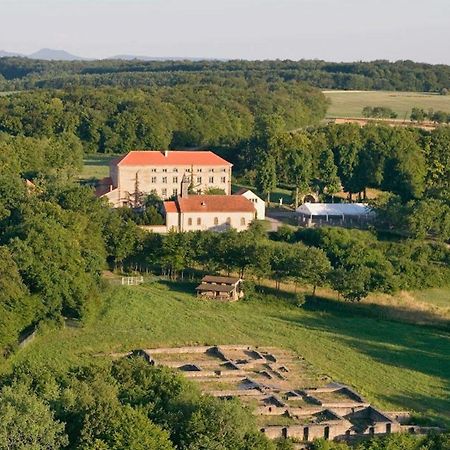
x: 23, y: 73
x: 113, y: 120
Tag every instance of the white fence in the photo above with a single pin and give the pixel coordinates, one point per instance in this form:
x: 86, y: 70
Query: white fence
x: 132, y: 281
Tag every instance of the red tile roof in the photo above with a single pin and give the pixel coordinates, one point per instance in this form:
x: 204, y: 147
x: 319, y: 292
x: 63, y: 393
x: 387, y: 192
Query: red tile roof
x: 174, y: 158
x: 214, y: 203
x: 170, y: 207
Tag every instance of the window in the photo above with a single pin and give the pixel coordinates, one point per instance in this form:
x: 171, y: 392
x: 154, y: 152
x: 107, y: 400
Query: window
x: 190, y: 221
x: 164, y: 192
x: 164, y: 170
x: 199, y: 170
x: 175, y: 179
x: 211, y: 170
x: 224, y: 170
x: 164, y: 180
x: 242, y: 220
x: 199, y: 221
x: 153, y: 170
x: 211, y: 179
x: 223, y: 179
x: 199, y: 179
x: 175, y: 191
x: 153, y: 179
x: 175, y: 169
x: 216, y: 221
x: 229, y: 220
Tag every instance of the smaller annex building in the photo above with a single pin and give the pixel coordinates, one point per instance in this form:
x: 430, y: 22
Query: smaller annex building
x: 220, y: 288
x: 316, y: 214
x: 209, y: 212
x: 260, y: 204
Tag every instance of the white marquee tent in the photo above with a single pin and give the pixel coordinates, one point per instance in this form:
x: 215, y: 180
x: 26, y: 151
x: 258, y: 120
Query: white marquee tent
x: 335, y: 209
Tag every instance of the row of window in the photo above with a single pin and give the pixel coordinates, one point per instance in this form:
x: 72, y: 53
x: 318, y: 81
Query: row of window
x: 190, y: 170
x: 164, y: 192
x: 216, y: 221
x: 199, y: 180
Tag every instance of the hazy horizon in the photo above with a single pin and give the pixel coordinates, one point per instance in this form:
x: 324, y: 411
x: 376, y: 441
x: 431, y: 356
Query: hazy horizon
x: 344, y: 30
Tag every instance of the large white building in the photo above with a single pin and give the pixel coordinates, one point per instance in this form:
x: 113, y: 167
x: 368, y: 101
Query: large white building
x: 140, y: 173
x: 209, y: 212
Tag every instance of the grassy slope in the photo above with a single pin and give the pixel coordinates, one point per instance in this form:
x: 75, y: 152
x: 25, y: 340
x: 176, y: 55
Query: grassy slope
x: 394, y: 364
x: 351, y: 103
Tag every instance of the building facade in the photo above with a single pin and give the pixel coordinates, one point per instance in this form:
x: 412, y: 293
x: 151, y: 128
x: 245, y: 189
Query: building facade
x: 209, y: 212
x: 139, y: 173
x: 259, y: 203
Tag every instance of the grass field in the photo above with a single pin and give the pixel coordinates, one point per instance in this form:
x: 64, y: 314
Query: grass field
x: 96, y: 166
x: 394, y: 364
x: 351, y: 103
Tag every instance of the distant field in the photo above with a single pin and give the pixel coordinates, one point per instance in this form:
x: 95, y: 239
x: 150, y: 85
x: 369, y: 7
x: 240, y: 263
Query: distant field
x: 396, y: 365
x: 351, y: 103
x: 96, y: 166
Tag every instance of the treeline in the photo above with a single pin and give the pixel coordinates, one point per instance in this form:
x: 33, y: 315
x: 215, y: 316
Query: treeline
x: 116, y: 120
x: 410, y: 165
x: 353, y: 263
x: 128, y: 404
x: 22, y: 73
x: 55, y: 236
x: 420, y: 115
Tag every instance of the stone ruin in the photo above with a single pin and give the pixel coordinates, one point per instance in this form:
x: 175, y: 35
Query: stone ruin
x: 272, y: 383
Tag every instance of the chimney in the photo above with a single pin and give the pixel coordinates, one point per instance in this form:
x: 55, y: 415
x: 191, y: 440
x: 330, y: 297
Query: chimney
x: 166, y: 153
x: 185, y: 182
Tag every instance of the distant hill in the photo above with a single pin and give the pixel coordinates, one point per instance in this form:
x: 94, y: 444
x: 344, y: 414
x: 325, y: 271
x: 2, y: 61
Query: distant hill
x: 49, y: 54
x: 4, y: 54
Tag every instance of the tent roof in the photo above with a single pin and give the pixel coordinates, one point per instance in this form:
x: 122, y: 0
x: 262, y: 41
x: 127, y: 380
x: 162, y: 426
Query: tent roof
x: 334, y: 209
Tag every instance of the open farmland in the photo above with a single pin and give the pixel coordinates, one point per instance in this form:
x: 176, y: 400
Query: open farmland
x: 395, y: 365
x: 351, y: 103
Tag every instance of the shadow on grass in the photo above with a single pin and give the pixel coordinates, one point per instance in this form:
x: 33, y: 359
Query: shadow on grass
x: 392, y: 313
x: 420, y: 404
x: 423, y: 349
x: 186, y: 287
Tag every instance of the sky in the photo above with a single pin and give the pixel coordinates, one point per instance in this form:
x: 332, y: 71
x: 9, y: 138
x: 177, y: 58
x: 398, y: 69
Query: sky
x: 333, y: 30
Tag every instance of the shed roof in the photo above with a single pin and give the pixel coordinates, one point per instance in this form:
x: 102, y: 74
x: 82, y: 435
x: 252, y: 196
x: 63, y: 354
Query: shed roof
x: 334, y: 209
x: 220, y: 280
x: 170, y: 158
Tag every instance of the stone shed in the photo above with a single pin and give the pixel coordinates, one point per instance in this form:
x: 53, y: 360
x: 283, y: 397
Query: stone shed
x: 220, y: 288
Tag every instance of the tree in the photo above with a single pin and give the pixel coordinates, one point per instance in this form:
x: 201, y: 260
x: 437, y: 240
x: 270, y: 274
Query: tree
x: 132, y: 429
x: 418, y: 114
x: 26, y: 422
x: 17, y: 308
x: 405, y: 169
x: 266, y: 176
x: 352, y: 284
x: 309, y: 265
x: 222, y: 425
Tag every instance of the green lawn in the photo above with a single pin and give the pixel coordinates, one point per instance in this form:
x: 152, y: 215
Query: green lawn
x: 275, y: 196
x: 96, y: 166
x: 437, y: 297
x: 351, y: 103
x: 395, y: 365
